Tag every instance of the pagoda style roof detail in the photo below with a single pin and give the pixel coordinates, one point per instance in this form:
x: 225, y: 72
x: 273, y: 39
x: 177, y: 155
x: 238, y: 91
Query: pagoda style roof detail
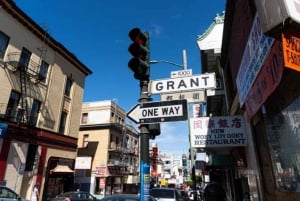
x: 212, y: 37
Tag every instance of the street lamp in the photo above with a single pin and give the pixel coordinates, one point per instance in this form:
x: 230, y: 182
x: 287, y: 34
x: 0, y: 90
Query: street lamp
x: 165, y: 61
x: 184, y: 65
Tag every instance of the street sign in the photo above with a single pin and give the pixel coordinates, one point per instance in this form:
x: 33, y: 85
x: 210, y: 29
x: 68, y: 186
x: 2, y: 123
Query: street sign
x: 191, y: 96
x: 203, y: 81
x: 134, y: 114
x: 181, y: 73
x: 154, y: 112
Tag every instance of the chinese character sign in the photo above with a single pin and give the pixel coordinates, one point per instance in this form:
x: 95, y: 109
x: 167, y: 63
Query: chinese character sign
x: 222, y: 131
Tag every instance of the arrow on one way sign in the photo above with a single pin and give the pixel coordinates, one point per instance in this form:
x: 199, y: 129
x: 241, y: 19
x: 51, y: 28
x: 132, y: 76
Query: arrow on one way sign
x: 153, y: 112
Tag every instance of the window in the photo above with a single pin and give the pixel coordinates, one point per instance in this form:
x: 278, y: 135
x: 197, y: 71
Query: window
x: 35, y: 109
x: 24, y: 59
x: 85, y: 140
x: 12, y: 106
x: 43, y: 71
x: 84, y: 118
x: 3, y: 44
x: 63, y: 121
x: 30, y: 158
x: 283, y: 132
x: 68, y: 87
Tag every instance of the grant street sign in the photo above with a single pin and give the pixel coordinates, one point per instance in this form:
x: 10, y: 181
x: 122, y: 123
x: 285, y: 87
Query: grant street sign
x: 203, y: 81
x: 154, y: 112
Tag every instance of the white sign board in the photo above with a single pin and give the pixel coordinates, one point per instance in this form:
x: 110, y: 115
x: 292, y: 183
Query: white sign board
x: 197, y: 82
x: 83, y: 162
x: 256, y: 50
x: 190, y: 96
x: 153, y: 112
x: 181, y: 73
x: 218, y: 131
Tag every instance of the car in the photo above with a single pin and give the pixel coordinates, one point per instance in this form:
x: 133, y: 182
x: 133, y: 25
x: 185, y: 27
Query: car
x: 166, y: 194
x: 7, y: 194
x: 124, y: 197
x: 75, y: 196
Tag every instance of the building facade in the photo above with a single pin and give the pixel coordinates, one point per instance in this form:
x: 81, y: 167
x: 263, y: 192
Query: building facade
x: 42, y: 86
x: 260, y: 54
x: 113, y: 146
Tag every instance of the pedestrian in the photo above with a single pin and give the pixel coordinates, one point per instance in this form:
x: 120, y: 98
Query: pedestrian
x: 214, y: 191
x: 35, y: 193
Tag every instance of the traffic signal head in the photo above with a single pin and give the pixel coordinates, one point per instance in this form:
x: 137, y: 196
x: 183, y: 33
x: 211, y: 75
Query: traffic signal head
x: 139, y: 49
x: 154, y: 130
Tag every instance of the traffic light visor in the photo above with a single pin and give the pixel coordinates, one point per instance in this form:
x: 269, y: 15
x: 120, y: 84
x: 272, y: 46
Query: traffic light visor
x: 138, y: 36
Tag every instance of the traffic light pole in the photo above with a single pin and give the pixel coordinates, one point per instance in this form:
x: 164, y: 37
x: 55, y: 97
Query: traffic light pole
x: 144, y: 148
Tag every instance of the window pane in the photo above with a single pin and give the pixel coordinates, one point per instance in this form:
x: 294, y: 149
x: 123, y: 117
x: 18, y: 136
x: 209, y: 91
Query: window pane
x: 63, y: 120
x: 34, y: 112
x: 43, y: 71
x: 283, y: 131
x: 3, y: 44
x: 84, y: 118
x: 24, y: 59
x: 12, y: 106
x: 68, y: 87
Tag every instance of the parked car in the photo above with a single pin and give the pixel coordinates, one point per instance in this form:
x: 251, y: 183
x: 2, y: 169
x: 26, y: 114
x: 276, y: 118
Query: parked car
x: 124, y: 197
x: 7, y: 194
x: 166, y: 194
x: 75, y: 196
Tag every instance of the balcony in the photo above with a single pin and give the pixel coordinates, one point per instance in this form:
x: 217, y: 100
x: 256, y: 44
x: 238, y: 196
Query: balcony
x: 14, y: 115
x: 15, y: 62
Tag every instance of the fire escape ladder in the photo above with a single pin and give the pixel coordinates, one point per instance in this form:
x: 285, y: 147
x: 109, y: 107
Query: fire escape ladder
x: 23, y: 110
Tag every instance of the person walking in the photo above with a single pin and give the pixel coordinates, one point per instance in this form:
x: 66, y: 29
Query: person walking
x: 35, y: 193
x: 214, y: 191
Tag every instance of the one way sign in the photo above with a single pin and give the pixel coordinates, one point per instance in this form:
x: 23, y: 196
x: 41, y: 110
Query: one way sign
x: 154, y: 112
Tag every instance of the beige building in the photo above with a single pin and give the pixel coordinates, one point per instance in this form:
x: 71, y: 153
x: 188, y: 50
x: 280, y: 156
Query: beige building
x: 42, y: 86
x: 112, y: 147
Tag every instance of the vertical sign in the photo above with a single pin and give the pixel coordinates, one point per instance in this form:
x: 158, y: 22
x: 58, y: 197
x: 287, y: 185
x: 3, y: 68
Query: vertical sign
x: 145, y: 181
x: 255, y: 52
x: 291, y: 50
x: 3, y: 130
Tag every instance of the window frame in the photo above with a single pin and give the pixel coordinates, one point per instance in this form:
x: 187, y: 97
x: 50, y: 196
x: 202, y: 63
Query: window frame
x: 4, y: 41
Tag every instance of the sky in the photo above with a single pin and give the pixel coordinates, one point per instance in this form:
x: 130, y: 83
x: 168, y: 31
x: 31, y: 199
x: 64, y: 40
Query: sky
x: 96, y: 32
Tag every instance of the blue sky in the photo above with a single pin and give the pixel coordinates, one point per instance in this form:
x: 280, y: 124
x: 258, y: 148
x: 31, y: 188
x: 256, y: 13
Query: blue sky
x: 96, y: 31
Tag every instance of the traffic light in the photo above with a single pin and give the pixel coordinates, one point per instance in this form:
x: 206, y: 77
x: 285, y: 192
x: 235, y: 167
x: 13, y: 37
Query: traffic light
x: 154, y: 130
x: 139, y: 49
x: 154, y: 152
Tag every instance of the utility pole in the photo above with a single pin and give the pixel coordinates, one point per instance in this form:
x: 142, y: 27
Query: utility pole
x: 139, y: 64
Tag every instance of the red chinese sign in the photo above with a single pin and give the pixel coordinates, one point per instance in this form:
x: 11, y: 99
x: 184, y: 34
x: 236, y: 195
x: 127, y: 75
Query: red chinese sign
x: 266, y: 82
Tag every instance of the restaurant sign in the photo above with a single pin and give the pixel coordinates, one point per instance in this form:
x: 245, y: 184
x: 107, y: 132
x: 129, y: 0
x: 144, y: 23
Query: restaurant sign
x: 218, y: 131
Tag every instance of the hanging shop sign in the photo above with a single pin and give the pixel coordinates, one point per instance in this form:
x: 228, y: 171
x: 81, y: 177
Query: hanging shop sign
x: 218, y: 131
x: 291, y: 50
x: 255, y: 52
x: 274, y: 14
x: 266, y: 82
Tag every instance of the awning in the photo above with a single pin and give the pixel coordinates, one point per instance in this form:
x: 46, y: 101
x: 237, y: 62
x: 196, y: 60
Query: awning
x: 62, y: 169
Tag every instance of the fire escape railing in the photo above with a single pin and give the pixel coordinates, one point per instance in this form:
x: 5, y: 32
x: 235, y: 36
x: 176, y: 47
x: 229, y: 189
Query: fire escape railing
x: 27, y: 69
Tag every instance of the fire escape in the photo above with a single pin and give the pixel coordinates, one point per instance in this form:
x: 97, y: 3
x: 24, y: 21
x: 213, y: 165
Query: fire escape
x: 29, y: 73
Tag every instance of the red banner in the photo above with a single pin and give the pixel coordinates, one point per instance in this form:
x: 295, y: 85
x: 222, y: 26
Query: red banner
x: 266, y: 82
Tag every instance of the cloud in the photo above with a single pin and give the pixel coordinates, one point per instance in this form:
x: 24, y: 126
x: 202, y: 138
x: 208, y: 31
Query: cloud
x: 174, y: 138
x: 156, y: 30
